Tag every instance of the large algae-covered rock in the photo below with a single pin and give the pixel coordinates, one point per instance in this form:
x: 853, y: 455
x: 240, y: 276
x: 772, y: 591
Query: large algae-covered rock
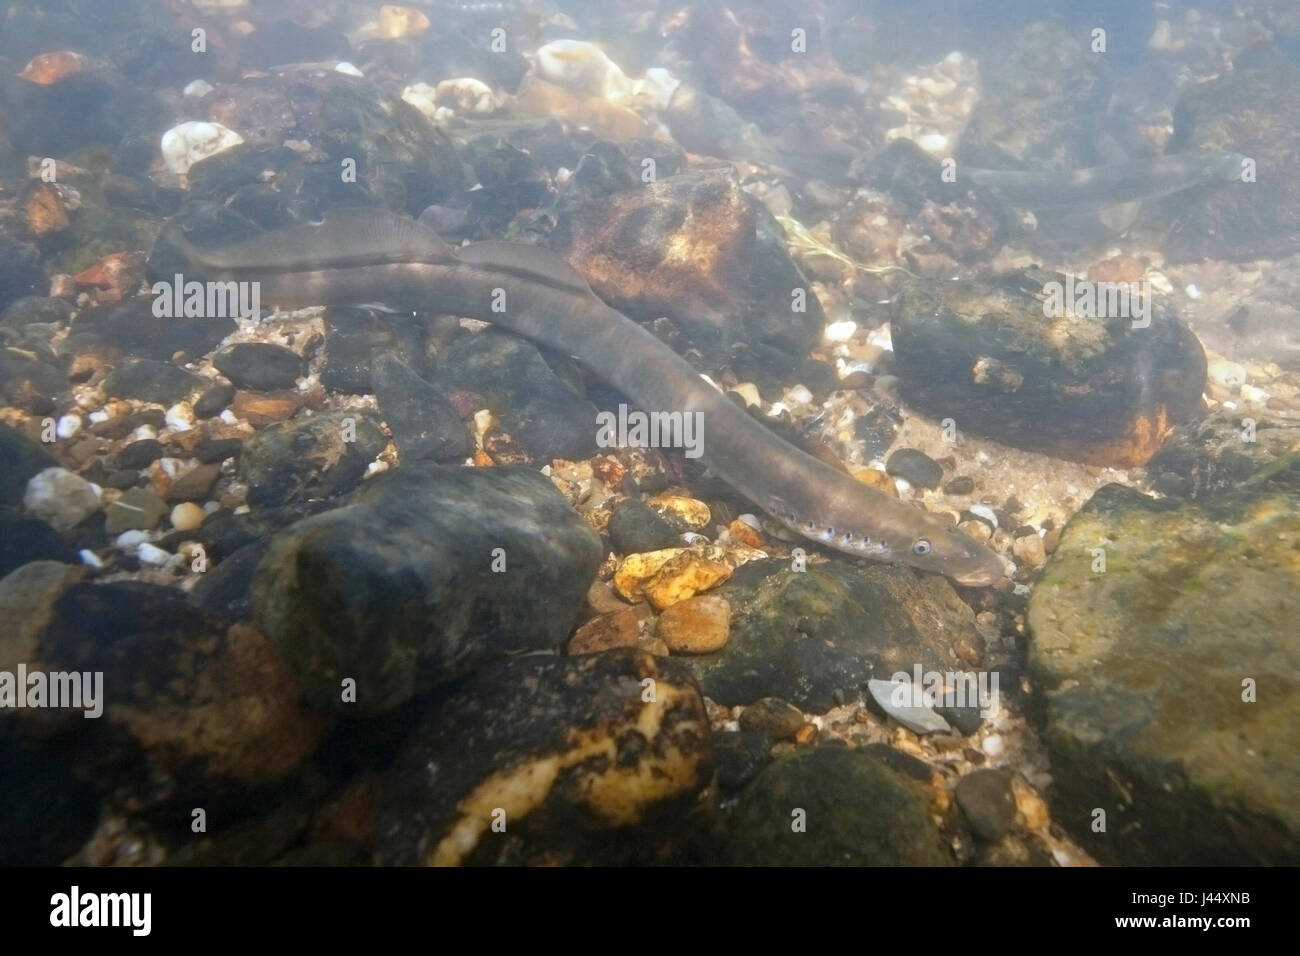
x: 694, y: 247
x: 1170, y: 680
x: 1219, y: 452
x: 541, y: 759
x: 816, y: 637
x: 1251, y: 110
x: 832, y: 806
x: 426, y: 573
x: 1103, y: 390
x: 178, y: 693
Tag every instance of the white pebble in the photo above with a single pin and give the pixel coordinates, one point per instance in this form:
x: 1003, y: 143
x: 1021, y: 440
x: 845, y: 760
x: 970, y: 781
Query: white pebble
x: 993, y: 745
x: 142, y: 432
x: 840, y: 331
x: 799, y: 395
x: 68, y: 426
x: 60, y: 497
x: 1252, y: 394
x: 985, y: 512
x: 197, y: 89
x: 181, y: 417
x: 881, y: 338
x: 691, y: 537
x: 130, y: 540
x: 1192, y: 291
x: 424, y: 98
x: 467, y: 96
x: 90, y: 558
x: 184, y: 145
x: 751, y: 520
x: 100, y: 415
x: 152, y: 554
x: 347, y: 69
x: 229, y: 417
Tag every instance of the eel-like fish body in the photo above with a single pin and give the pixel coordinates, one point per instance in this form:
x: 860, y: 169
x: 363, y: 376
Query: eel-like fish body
x: 1111, y: 184
x: 366, y: 256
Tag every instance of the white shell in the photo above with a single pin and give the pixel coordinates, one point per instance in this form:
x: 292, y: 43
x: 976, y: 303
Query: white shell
x: 186, y: 144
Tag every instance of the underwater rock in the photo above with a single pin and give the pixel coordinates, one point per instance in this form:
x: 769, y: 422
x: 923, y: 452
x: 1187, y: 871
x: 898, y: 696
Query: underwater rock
x: 23, y: 540
x: 425, y: 425
x: 918, y: 718
x: 48, y: 814
x: 20, y: 270
x: 666, y: 577
x: 635, y: 528
x: 1096, y: 390
x: 20, y: 459
x: 739, y: 756
x: 1146, y: 675
x: 397, y: 588
x: 777, y: 718
x: 619, y: 628
x: 698, y: 625
x: 542, y: 413
x: 696, y: 248
x: 598, y: 759
x: 131, y: 326
x: 857, y: 812
x: 189, y: 143
x: 801, y: 636
x: 139, y: 509
x: 29, y: 384
x: 1214, y: 454
x: 987, y: 803
x: 915, y: 467
x: 260, y: 366
x: 352, y: 338
x: 316, y: 457
x: 179, y: 692
x: 227, y: 588
x: 1251, y: 110
x: 214, y: 400
x: 152, y: 381
x: 62, y: 498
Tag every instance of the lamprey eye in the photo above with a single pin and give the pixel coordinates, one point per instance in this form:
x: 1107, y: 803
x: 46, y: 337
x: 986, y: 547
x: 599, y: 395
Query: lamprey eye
x: 921, y: 547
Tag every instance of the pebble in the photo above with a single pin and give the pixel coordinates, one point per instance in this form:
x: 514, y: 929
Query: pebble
x: 961, y: 485
x: 877, y: 479
x: 985, y: 513
x: 68, y: 426
x: 214, y: 400
x: 993, y: 745
x: 987, y: 802
x: 772, y: 715
x: 61, y: 498
x: 180, y: 417
x: 615, y: 629
x: 260, y: 366
x: 1226, y: 374
x: 138, y: 454
x: 684, y: 514
x: 1030, y: 550
x: 187, y: 516
x: 749, y: 392
x: 634, y: 527
x: 915, y: 467
x: 152, y: 554
x: 184, y: 145
x: 666, y: 577
x: 918, y: 719
x: 698, y: 625
x: 194, y: 484
x: 139, y: 509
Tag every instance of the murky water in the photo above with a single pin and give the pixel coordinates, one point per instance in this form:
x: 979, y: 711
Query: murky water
x: 617, y: 433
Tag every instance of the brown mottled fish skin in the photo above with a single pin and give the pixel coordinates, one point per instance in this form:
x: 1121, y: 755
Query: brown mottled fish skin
x: 371, y: 257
